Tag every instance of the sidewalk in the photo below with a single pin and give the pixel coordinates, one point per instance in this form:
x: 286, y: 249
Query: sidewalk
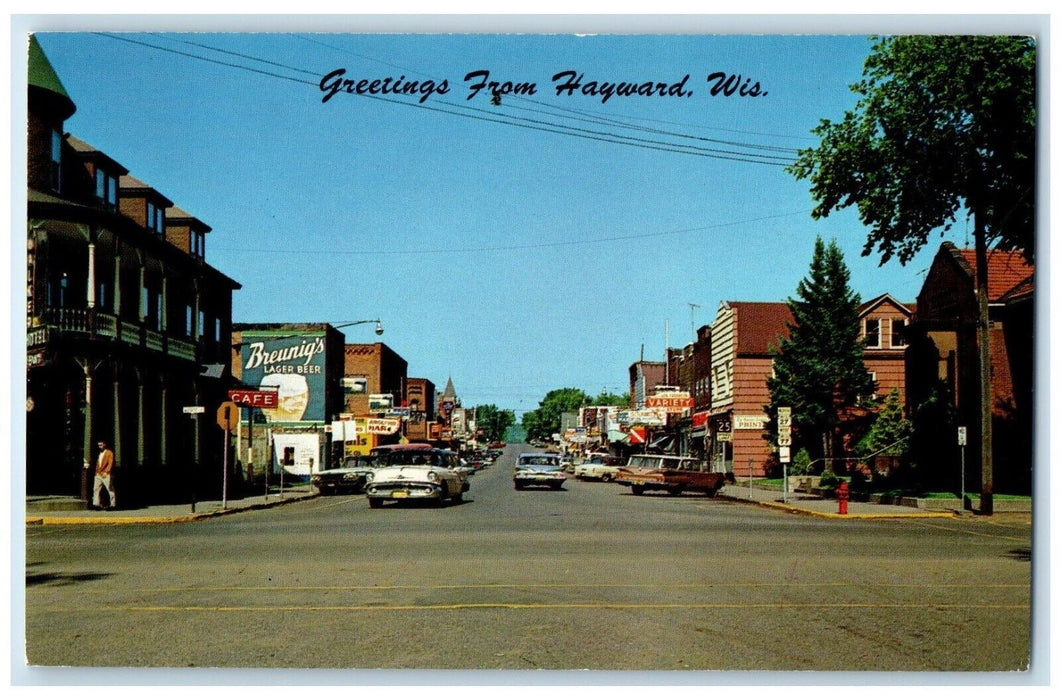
x: 52, y: 510
x: 808, y: 504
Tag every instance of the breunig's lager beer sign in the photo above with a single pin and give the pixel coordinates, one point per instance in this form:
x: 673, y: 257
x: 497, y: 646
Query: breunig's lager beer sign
x: 293, y: 365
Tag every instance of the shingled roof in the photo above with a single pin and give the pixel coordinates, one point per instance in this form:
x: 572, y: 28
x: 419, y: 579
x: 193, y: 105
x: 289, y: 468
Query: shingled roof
x: 1006, y: 269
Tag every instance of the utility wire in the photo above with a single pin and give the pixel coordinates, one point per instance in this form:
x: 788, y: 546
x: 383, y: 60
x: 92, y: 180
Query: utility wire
x: 519, y: 122
x: 526, y: 246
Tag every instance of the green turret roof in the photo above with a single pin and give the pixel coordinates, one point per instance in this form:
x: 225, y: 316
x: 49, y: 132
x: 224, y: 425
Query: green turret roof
x: 43, y: 76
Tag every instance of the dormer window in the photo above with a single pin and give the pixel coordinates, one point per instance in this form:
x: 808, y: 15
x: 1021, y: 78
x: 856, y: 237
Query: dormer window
x: 106, y: 189
x: 898, y: 333
x: 197, y: 244
x: 154, y: 219
x: 872, y: 337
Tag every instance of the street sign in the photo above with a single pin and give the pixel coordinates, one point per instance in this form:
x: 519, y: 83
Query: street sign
x: 784, y: 429
x: 962, y: 435
x: 637, y: 436
x: 194, y: 409
x: 254, y: 398
x: 228, y: 416
x: 786, y: 454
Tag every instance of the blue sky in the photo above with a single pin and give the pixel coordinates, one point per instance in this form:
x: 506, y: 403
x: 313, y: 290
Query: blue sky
x: 511, y: 258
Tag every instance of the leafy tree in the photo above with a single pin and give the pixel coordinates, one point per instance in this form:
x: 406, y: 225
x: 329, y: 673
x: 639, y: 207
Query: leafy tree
x: 493, y: 421
x: 543, y: 421
x: 943, y: 124
x: 819, y: 370
x: 608, y: 399
x: 890, y: 433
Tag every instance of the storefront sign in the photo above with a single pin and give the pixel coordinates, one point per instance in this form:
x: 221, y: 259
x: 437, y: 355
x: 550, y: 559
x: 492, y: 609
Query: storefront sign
x: 380, y: 402
x: 382, y: 426
x: 293, y: 367
x: 254, y: 398
x: 672, y: 404
x: 749, y: 422
x: 36, y: 336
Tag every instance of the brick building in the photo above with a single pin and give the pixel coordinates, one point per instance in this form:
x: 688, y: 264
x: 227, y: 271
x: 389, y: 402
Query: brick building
x: 420, y: 396
x: 122, y: 313
x: 374, y: 377
x: 304, y: 363
x: 944, y: 350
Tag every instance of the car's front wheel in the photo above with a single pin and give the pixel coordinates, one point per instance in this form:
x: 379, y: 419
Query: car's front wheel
x: 606, y: 477
x: 375, y: 502
x: 637, y: 489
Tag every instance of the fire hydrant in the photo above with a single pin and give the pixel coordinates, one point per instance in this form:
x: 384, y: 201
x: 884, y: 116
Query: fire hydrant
x: 842, y: 496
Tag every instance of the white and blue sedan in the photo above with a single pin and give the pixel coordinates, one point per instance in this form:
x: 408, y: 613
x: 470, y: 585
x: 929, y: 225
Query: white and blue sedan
x: 539, y: 469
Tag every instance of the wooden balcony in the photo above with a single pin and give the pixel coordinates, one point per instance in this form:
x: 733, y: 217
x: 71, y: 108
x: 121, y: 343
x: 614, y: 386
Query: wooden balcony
x: 95, y: 324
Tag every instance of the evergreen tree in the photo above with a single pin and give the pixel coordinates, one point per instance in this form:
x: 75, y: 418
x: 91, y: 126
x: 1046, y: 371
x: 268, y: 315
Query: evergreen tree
x: 819, y: 370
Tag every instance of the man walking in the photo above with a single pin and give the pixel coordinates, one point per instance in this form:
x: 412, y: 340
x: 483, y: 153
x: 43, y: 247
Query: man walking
x: 104, y: 468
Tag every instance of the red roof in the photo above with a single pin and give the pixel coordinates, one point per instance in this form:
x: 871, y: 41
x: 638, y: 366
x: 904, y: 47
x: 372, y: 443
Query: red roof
x: 759, y: 323
x: 1005, y: 270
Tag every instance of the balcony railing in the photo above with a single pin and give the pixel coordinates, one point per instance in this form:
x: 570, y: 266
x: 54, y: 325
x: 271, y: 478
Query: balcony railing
x: 92, y: 323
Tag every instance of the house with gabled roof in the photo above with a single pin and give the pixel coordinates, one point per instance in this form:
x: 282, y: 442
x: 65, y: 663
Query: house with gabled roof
x: 943, y: 354
x: 884, y: 324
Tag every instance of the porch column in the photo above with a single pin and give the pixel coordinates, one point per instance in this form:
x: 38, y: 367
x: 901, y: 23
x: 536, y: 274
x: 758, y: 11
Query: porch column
x: 117, y: 419
x: 142, y: 303
x: 140, y: 456
x: 117, y: 286
x: 87, y: 475
x: 91, y: 296
x: 163, y: 320
x: 163, y: 424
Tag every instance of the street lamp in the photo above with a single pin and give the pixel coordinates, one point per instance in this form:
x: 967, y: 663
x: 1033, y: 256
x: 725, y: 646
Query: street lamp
x: 379, y: 325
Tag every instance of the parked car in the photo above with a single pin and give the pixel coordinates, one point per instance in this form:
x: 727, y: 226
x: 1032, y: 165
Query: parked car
x: 669, y: 473
x: 539, y: 469
x: 350, y: 477
x: 599, y: 466
x: 416, y: 471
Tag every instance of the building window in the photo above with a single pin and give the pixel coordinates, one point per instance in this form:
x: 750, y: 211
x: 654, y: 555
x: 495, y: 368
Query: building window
x: 872, y: 335
x: 188, y: 316
x: 154, y: 218
x: 57, y: 157
x: 898, y: 333
x: 106, y: 189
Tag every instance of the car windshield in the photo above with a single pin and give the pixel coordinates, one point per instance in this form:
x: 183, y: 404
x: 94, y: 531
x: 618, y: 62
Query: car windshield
x: 430, y: 458
x: 539, y: 461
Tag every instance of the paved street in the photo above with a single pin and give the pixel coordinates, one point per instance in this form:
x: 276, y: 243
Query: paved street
x: 590, y: 577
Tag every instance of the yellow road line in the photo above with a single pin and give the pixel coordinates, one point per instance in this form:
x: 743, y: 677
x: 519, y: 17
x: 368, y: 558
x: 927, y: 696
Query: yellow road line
x: 979, y: 534
x: 544, y: 606
x: 648, y: 586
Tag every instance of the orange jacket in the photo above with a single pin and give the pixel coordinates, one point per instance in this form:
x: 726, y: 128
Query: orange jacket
x: 105, y: 462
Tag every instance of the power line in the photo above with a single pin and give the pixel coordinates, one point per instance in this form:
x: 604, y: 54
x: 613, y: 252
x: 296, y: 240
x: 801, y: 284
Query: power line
x: 526, y: 246
x: 480, y: 114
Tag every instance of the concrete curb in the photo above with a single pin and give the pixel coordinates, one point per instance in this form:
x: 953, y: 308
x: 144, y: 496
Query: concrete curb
x: 788, y: 508
x: 47, y: 520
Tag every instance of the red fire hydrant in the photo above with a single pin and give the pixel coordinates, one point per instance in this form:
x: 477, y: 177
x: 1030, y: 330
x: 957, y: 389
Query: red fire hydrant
x: 842, y: 496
